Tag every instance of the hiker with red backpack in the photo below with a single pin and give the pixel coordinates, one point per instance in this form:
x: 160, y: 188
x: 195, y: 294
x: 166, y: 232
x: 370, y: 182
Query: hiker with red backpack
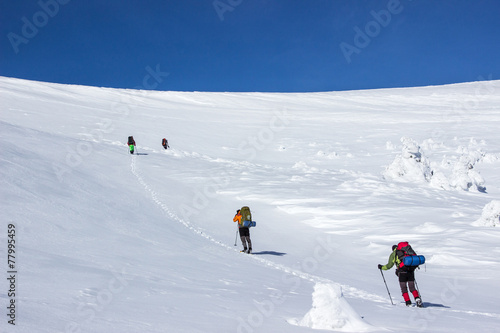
x: 406, y: 261
x: 164, y: 143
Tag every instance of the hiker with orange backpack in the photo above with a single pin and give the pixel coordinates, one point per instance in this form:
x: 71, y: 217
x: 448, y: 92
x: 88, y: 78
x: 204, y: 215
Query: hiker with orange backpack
x: 406, y: 261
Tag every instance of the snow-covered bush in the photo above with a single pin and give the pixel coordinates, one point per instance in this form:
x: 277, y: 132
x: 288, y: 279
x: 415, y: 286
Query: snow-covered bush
x: 330, y: 311
x: 411, y: 165
x: 440, y: 181
x: 464, y: 176
x: 491, y: 215
x: 458, y: 173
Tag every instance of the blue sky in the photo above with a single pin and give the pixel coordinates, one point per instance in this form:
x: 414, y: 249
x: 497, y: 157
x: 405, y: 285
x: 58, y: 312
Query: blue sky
x: 251, y: 45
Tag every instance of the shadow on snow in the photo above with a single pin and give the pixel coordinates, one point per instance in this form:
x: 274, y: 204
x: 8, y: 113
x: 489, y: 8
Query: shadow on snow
x: 434, y: 305
x: 272, y: 253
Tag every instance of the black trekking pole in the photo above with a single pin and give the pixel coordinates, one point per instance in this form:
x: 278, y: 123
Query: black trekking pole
x: 236, y: 237
x: 386, y: 286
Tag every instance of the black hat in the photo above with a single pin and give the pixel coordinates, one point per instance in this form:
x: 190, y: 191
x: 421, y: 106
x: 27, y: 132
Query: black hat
x: 394, y: 247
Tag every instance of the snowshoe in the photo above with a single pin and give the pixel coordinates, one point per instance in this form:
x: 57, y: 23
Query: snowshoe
x: 408, y: 303
x: 419, y: 302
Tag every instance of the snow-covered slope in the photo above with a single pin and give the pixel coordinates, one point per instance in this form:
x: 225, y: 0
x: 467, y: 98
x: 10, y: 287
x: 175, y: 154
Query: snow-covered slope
x: 106, y: 241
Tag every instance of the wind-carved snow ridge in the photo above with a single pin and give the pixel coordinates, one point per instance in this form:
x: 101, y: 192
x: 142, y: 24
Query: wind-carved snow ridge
x: 327, y: 295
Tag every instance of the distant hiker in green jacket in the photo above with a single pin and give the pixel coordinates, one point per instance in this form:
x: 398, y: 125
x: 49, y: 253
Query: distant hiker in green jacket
x: 131, y: 144
x: 406, y: 276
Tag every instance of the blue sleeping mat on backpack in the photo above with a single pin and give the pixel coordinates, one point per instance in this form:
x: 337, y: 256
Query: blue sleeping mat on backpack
x: 413, y: 260
x: 249, y: 224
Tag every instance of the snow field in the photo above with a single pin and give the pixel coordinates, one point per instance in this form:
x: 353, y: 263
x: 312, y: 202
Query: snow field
x: 110, y: 242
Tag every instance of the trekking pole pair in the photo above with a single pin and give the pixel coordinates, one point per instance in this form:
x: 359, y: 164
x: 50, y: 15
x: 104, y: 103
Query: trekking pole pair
x: 386, y: 286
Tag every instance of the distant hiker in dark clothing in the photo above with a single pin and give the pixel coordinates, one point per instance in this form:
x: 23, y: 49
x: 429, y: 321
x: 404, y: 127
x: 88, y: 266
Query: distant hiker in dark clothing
x: 244, y: 233
x: 164, y: 143
x: 406, y: 275
x: 131, y: 144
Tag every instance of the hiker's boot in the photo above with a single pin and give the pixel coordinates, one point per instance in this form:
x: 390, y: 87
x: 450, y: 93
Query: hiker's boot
x: 418, y: 300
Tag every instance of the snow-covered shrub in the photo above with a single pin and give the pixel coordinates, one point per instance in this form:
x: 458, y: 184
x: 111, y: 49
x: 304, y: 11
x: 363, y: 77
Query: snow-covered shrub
x: 440, y: 181
x: 491, y: 215
x: 464, y: 176
x: 330, y: 156
x: 430, y: 144
x: 411, y: 165
x: 330, y: 311
x: 457, y: 173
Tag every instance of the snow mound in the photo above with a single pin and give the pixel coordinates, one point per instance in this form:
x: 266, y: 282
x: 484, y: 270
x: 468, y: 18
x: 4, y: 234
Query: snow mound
x: 411, y: 165
x: 491, y: 215
x: 330, y: 311
x: 331, y: 156
x: 464, y: 176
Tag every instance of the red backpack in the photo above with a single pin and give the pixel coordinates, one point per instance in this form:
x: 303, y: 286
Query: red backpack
x: 164, y: 143
x: 407, y: 256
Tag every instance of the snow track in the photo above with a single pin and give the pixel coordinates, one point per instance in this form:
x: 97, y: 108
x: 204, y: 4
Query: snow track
x: 197, y: 231
x: 349, y: 320
x: 347, y: 290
